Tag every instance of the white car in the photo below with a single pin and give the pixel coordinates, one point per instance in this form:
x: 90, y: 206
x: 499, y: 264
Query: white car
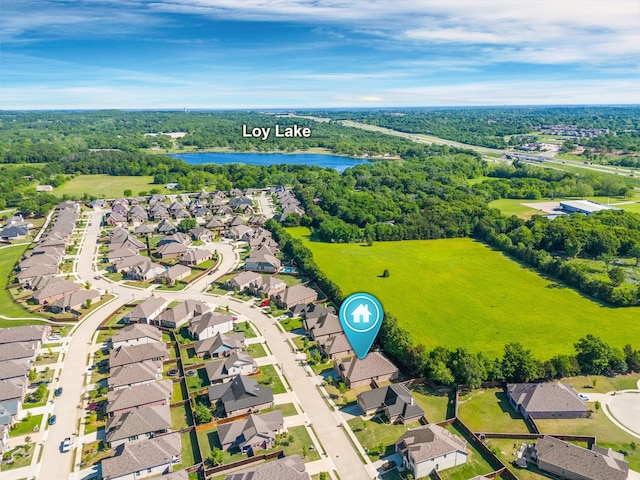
x: 583, y: 397
x: 66, y: 445
x: 54, y: 337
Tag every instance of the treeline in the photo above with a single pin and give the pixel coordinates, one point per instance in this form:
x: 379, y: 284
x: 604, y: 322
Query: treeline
x: 489, y: 127
x: 460, y: 367
x: 27, y: 137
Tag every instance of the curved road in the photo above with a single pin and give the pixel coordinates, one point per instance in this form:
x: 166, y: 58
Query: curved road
x: 55, y: 465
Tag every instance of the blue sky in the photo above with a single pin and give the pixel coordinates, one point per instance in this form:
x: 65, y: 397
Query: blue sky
x: 317, y: 53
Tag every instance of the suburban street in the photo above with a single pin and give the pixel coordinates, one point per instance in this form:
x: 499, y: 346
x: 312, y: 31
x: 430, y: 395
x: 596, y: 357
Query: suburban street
x: 341, y: 455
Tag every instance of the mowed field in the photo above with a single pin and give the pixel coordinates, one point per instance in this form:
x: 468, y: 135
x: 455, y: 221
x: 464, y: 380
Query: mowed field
x: 107, y: 186
x: 513, y: 206
x: 8, y: 257
x: 460, y: 293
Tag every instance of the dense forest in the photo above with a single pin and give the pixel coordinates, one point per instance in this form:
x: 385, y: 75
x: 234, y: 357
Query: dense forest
x: 495, y: 127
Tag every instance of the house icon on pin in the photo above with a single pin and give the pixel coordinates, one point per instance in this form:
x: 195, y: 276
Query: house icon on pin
x: 361, y: 313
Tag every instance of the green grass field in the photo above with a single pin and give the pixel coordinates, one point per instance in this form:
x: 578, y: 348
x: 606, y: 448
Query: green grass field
x: 8, y: 257
x: 107, y: 186
x: 514, y: 206
x: 460, y: 293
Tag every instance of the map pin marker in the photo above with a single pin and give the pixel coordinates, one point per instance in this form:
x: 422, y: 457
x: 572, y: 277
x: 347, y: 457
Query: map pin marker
x: 361, y: 318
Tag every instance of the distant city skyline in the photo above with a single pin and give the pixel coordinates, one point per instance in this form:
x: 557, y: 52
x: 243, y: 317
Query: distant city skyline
x: 222, y: 54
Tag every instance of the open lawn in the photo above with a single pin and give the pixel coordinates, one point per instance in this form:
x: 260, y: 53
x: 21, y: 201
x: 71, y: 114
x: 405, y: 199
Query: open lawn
x: 460, y: 293
x: 269, y: 378
x: 504, y: 450
x: 607, y: 434
x: 8, y: 257
x: 256, y: 350
x: 26, y: 426
x: 437, y: 407
x: 189, y: 454
x: 476, y: 463
x: 106, y: 186
x: 514, y: 206
x: 375, y: 433
x: 489, y: 410
x: 603, y: 384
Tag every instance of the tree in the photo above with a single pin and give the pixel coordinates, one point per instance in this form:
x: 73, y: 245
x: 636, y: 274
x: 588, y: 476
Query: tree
x: 187, y: 224
x: 616, y: 275
x: 323, y: 476
x: 342, y: 388
x: 127, y: 193
x: 468, y: 369
x: 632, y: 358
x: 386, y: 273
x: 202, y: 413
x: 88, y: 303
x: 33, y: 375
x: 215, y: 457
x: 518, y: 364
x: 593, y: 355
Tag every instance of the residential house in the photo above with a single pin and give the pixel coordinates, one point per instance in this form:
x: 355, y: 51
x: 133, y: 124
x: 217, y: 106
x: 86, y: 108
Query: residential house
x: 395, y: 401
x: 141, y: 424
x: 156, y: 352
x: 115, y: 219
x: 54, y: 289
x: 118, y: 254
x: 215, y: 224
x: 295, y: 295
x: 166, y: 227
x: 289, y: 468
x: 202, y: 234
x: 324, y: 327
x: 147, y: 311
x: 243, y: 281
x: 146, y: 271
x: 134, y: 374
x: 262, y: 260
x: 33, y: 334
x: 209, y: 324
x: 196, y: 257
x: 132, y: 398
x: 269, y: 286
x: 174, y: 274
x: 430, y: 447
x: 240, y: 396
x: 30, y: 277
x: 336, y: 346
x: 144, y: 458
x: 171, y: 250
x: 75, y: 301
x: 177, y: 237
x: 125, y: 265
x: 23, y: 352
x: 14, y: 232
x: 238, y: 231
x: 136, y: 334
x: 220, y: 345
x: 546, y: 400
x: 144, y: 229
x: 356, y: 372
x: 572, y: 462
x: 251, y: 434
x: 226, y: 368
x: 180, y: 314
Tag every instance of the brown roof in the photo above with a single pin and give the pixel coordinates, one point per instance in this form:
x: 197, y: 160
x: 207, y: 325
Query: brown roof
x: 139, y: 395
x: 24, y: 333
x: 138, y: 422
x: 137, y: 353
x: 430, y: 441
x: 137, y: 331
x: 132, y: 457
x: 595, y: 465
x: 134, y: 373
x: 373, y: 365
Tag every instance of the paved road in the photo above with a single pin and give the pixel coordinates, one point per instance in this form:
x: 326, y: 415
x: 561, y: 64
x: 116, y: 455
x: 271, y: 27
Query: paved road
x: 341, y: 454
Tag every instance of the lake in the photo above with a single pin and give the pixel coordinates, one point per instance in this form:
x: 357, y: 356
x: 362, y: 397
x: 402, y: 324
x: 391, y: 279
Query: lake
x: 326, y: 161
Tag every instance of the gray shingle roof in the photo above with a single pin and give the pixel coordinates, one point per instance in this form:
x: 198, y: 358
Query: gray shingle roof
x: 240, y: 393
x: 546, y: 397
x: 132, y: 457
x: 138, y: 422
x: 139, y: 396
x: 25, y: 333
x: 373, y: 365
x: 246, y: 430
x: 134, y: 373
x: 137, y: 331
x: 591, y: 464
x: 288, y: 468
x: 429, y: 442
x: 137, y: 353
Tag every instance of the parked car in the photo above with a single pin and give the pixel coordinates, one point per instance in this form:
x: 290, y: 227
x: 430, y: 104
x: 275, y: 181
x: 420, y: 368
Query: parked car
x: 52, y: 420
x: 584, y: 397
x: 58, y: 392
x: 54, y: 337
x: 66, y: 445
